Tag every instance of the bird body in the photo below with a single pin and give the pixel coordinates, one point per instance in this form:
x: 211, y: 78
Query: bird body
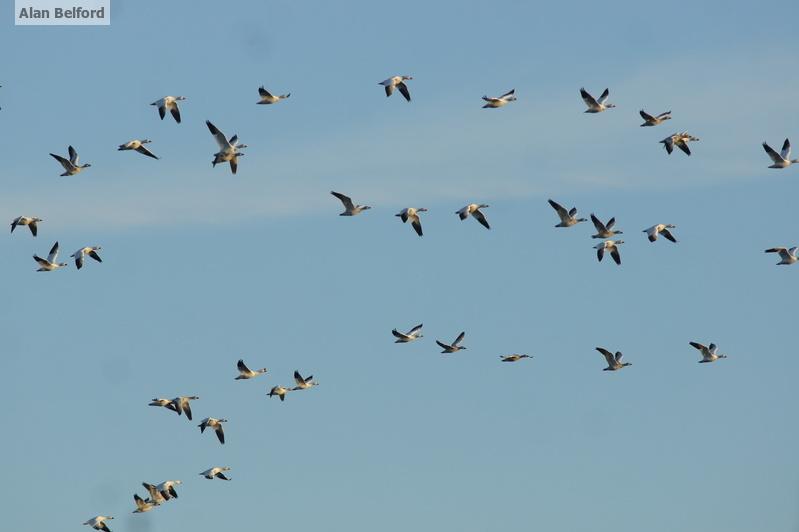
x: 303, y: 383
x: 709, y: 353
x: 604, y: 230
x: 350, y: 209
x: 51, y: 262
x: 473, y: 209
x: 454, y: 347
x: 499, y: 101
x: 228, y: 148
x: 596, y: 105
x: 614, y: 361
x: 279, y: 391
x: 71, y: 166
x: 137, y: 145
x: 650, y: 120
x: 169, y: 103
x: 247, y: 373
x: 268, y: 98
x: 782, y: 159
x: 413, y: 215
x: 680, y: 140
x: 91, y: 251
x: 567, y: 218
x: 397, y: 82
x: 410, y: 336
x: 216, y: 424
x: 660, y: 229
x: 98, y: 523
x: 30, y: 221
x: 612, y: 246
x: 215, y: 472
x: 513, y: 358
x: 787, y: 256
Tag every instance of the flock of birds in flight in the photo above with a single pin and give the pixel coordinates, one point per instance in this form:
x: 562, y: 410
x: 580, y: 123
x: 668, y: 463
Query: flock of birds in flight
x: 230, y: 151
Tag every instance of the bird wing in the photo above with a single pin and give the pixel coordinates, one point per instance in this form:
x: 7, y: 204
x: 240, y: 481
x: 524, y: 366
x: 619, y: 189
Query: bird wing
x: 93, y: 254
x: 442, y: 345
x: 78, y: 258
x: 588, y: 99
x: 607, y: 354
x: 53, y: 255
x: 600, y: 227
x: 186, y: 407
x: 786, y: 149
x: 415, y: 330
x: 480, y: 217
x: 264, y: 93
x: 604, y: 97
x: 175, y: 111
x: 346, y: 200
x: 459, y: 339
x: 417, y: 225
x: 667, y: 234
x: 220, y: 433
x: 242, y: 366
x: 404, y: 90
x: 646, y: 116
x: 509, y: 93
x: 389, y: 89
x: 64, y: 162
x: 220, y: 138
x: 145, y: 151
x: 73, y: 156
x: 399, y: 335
x: 600, y: 252
x: 614, y: 252
x: 771, y: 153
x: 683, y: 145
x: 563, y: 214
x: 298, y: 378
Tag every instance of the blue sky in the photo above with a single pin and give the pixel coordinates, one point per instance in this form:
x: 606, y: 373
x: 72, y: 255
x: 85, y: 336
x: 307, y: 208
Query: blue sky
x: 202, y: 268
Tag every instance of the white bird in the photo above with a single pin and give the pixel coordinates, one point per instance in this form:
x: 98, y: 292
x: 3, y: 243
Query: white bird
x: 167, y: 489
x: 137, y: 145
x: 142, y: 505
x: 350, y: 209
x: 26, y: 220
x: 709, y: 353
x: 410, y: 336
x: 82, y: 252
x: 268, y: 98
x: 166, y: 403
x: 181, y: 405
x: 247, y: 373
x: 71, y: 166
x: 413, y: 215
x: 680, y: 140
x: 50, y: 263
x: 513, y: 358
x: 612, y: 247
x: 499, y: 101
x: 650, y: 120
x: 279, y: 391
x: 782, y: 159
x: 98, y: 523
x: 156, y: 497
x: 169, y: 103
x: 614, y: 362
x: 567, y: 218
x: 660, y: 229
x: 228, y: 148
x: 303, y: 383
x: 215, y: 424
x: 604, y: 230
x: 787, y: 256
x: 596, y: 106
x: 217, y: 472
x: 454, y: 347
x: 473, y: 209
x: 399, y: 83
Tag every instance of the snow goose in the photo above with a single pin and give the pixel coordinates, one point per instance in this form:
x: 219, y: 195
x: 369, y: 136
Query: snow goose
x: 399, y: 83
x: 596, y: 106
x: 473, y: 209
x: 609, y: 245
x: 787, y: 256
x: 709, y: 353
x: 410, y: 336
x: 614, y: 361
x: 215, y: 424
x: 26, y: 220
x: 268, y: 98
x: 782, y: 159
x: 166, y: 403
x: 567, y: 218
x: 217, y: 472
x: 413, y: 215
x: 155, y: 496
x: 604, y: 230
x: 247, y: 373
x: 513, y: 358
x: 650, y: 120
x: 499, y: 101
x: 50, y: 263
x: 91, y: 251
x: 169, y: 103
x: 71, y: 166
x: 137, y: 145
x: 181, y: 405
x: 279, y: 391
x: 680, y: 140
x: 228, y: 148
x: 303, y: 383
x: 454, y: 347
x: 98, y: 523
x: 167, y: 489
x: 660, y: 229
x: 142, y: 505
x: 350, y: 209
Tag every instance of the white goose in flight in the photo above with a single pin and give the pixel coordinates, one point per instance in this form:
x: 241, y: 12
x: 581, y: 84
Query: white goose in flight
x: 26, y: 220
x: 279, y: 391
x: 267, y: 98
x: 228, y: 149
x: 217, y: 472
x: 709, y: 353
x: 410, y: 336
x: 182, y: 405
x: 169, y: 103
x: 455, y: 346
x: 247, y: 373
x: 137, y: 145
x: 680, y: 140
x: 660, y: 229
x: 91, y: 251
x: 567, y: 218
x: 782, y: 159
x: 216, y: 424
x: 650, y: 120
x: 596, y: 106
x: 473, y: 209
x: 609, y: 245
x: 614, y: 361
x: 166, y: 403
x: 142, y: 505
x: 397, y: 82
x: 98, y: 523
x: 303, y: 383
x: 499, y: 101
x: 604, y: 230
x: 71, y: 165
x: 350, y: 209
x: 50, y: 263
x: 513, y: 358
x: 787, y: 256
x: 167, y: 489
x: 155, y: 496
x: 413, y: 215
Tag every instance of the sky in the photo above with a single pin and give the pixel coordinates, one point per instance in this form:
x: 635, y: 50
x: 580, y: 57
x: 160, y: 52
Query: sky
x: 201, y: 268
